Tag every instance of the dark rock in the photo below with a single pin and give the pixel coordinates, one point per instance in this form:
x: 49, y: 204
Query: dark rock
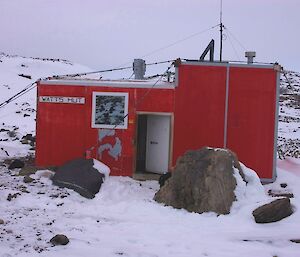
x: 25, y: 76
x: 28, y: 170
x: 16, y: 164
x: 28, y: 137
x: 4, y: 150
x: 12, y: 133
x: 1, y: 221
x: 163, y: 178
x: 283, y: 185
x: 25, y: 141
x: 27, y: 179
x: 12, y: 196
x: 274, y: 211
x: 297, y: 241
x: 202, y: 181
x: 280, y: 194
x: 81, y: 176
x: 24, y: 190
x: 59, y: 240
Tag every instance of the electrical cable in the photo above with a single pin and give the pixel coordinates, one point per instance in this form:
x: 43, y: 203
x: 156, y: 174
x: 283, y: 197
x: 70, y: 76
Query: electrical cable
x: 175, y: 43
x: 91, y: 72
x: 234, y: 49
x: 162, y: 62
x: 25, y: 90
x: 106, y: 70
x: 146, y: 93
x: 19, y: 94
x: 137, y: 104
x: 229, y: 31
x: 179, y: 41
x: 30, y: 86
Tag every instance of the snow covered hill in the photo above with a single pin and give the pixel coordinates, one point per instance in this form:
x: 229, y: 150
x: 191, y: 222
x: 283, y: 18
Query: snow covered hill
x: 18, y: 117
x: 123, y: 219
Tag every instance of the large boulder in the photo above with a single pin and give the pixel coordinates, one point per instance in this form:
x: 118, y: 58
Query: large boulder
x: 202, y: 181
x: 274, y: 211
x: 81, y: 176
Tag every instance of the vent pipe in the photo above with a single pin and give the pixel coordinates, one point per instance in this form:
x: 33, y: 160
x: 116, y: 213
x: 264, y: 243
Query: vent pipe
x: 250, y: 56
x: 139, y: 68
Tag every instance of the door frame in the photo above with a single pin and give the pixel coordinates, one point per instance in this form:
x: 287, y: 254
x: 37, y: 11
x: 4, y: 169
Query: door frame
x: 171, y: 115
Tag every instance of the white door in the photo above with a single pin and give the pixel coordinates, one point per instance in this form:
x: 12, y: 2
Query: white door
x: 157, y: 143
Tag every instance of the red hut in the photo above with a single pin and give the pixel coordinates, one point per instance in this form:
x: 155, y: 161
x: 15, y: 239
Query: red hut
x: 224, y: 105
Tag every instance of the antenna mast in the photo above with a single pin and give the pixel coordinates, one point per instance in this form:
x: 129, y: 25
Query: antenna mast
x: 221, y: 31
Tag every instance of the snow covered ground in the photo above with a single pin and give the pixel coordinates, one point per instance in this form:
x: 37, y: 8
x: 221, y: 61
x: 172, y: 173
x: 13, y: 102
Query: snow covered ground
x: 123, y: 219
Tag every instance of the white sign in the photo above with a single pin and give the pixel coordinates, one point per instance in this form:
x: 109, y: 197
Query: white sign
x: 62, y: 99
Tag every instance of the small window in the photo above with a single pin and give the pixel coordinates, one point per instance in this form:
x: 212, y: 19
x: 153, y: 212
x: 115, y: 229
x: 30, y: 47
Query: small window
x: 109, y: 110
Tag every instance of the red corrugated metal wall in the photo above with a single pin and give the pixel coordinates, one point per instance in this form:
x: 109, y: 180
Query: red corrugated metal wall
x: 251, y: 117
x: 61, y: 128
x: 251, y: 121
x: 64, y: 131
x: 199, y: 108
x: 198, y: 102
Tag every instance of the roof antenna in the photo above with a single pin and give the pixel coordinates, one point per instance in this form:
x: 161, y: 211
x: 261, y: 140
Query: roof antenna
x: 221, y: 30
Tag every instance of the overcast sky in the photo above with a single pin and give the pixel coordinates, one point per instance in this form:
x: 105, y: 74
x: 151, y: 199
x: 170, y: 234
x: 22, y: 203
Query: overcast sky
x: 109, y: 33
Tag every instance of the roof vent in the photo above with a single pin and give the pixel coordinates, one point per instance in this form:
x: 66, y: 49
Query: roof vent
x: 139, y: 68
x: 250, y: 56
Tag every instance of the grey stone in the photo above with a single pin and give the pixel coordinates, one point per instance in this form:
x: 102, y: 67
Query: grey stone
x: 59, y: 240
x: 29, y: 137
x: 283, y: 185
x: 202, y: 181
x: 163, y: 178
x: 12, y: 196
x: 25, y: 141
x: 27, y: 170
x: 16, y: 164
x: 274, y: 211
x: 27, y: 179
x: 297, y: 241
x: 12, y: 133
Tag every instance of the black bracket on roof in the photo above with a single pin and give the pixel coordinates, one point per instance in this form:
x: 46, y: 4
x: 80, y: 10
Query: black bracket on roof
x: 210, y: 48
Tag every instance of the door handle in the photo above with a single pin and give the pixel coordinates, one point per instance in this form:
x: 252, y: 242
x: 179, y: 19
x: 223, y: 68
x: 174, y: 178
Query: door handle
x: 153, y: 143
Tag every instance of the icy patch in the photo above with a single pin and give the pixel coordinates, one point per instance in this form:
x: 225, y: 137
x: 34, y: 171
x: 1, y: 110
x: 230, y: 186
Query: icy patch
x: 101, y: 167
x: 43, y: 174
